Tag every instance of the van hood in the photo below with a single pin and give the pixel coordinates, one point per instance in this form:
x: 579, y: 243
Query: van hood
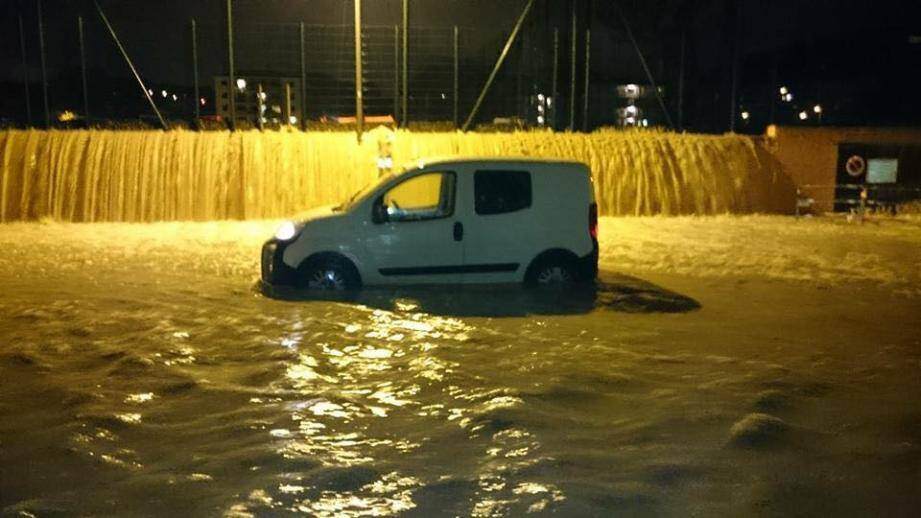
x: 318, y: 213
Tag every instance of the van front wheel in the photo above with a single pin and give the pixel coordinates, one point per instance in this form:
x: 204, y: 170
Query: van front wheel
x: 553, y: 270
x: 330, y: 273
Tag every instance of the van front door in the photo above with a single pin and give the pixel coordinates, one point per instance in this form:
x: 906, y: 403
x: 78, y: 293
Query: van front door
x: 415, y: 239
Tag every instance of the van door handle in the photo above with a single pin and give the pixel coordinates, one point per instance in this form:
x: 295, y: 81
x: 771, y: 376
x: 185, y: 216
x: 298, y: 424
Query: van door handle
x: 458, y: 231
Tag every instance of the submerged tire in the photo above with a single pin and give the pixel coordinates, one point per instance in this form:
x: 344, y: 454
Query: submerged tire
x: 552, y: 270
x: 329, y: 273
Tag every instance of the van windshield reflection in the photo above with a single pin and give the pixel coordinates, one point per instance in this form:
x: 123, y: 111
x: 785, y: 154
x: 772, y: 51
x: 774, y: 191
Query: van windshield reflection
x: 362, y: 193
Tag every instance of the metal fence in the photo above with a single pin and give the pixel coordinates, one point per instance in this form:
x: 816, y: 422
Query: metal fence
x: 75, y: 74
x: 855, y: 197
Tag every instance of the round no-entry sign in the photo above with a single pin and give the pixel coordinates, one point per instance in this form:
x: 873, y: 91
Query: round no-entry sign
x: 855, y: 166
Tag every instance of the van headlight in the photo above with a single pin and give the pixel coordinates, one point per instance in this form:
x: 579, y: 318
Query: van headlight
x: 286, y: 231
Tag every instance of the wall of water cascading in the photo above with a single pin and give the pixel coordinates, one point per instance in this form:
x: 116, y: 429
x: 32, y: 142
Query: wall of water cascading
x: 100, y: 175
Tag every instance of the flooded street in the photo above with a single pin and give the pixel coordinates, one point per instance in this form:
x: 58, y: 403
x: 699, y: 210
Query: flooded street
x: 141, y: 373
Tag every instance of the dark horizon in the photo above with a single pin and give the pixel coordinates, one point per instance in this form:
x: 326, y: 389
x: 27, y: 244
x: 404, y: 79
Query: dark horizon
x: 860, y: 61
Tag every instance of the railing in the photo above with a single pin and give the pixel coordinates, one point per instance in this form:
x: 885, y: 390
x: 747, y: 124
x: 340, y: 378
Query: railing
x: 877, y: 196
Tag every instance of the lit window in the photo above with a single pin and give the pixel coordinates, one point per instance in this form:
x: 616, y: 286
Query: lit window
x: 427, y: 196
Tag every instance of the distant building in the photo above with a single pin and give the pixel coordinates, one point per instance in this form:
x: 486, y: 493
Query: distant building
x: 281, y: 98
x: 832, y: 166
x: 632, y: 114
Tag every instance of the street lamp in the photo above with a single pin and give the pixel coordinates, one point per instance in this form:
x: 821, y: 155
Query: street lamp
x: 803, y: 115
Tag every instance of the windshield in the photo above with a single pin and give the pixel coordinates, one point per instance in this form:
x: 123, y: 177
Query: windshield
x: 364, y: 191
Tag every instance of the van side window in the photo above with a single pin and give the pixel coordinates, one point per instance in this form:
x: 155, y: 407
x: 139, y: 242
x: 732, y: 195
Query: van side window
x: 498, y: 192
x: 427, y: 196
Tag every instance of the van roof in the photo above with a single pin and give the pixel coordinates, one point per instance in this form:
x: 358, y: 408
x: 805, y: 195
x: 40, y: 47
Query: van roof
x: 486, y: 160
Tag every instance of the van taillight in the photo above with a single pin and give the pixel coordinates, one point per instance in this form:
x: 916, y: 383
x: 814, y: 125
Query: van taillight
x: 593, y: 220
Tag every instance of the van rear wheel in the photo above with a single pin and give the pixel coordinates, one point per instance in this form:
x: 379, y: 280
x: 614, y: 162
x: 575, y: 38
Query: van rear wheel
x: 330, y: 273
x: 556, y: 274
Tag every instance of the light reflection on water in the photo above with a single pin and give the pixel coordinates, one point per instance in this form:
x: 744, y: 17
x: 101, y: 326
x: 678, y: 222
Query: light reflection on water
x: 365, y: 403
x: 350, y: 382
x: 398, y: 401
x: 425, y: 402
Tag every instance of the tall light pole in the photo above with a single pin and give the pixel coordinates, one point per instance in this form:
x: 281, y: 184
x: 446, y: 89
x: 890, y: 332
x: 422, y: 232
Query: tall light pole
x: 359, y: 102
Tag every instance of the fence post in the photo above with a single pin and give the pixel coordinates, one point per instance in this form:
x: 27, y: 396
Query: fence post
x: 554, y: 92
x: 572, y: 72
x: 195, y: 72
x: 287, y: 103
x: 404, y: 120
x: 25, y: 71
x: 359, y: 95
x: 41, y: 51
x: 588, y: 42
x: 260, y: 107
x: 456, y: 75
x: 303, y: 79
x: 232, y: 80
x: 396, y: 73
x: 86, y: 95
x: 774, y: 92
x: 681, y: 83
x: 863, y: 202
x: 734, y: 85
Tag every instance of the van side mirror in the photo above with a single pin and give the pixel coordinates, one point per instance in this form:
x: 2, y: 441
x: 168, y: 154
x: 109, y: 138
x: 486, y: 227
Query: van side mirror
x: 378, y: 211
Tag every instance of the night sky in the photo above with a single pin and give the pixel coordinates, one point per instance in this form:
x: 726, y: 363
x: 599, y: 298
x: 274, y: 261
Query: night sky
x: 861, y: 60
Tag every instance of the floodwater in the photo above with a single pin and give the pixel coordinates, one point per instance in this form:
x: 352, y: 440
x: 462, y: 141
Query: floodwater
x: 141, y: 373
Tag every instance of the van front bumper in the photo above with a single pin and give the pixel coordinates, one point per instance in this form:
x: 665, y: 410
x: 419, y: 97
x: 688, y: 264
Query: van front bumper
x: 274, y: 270
x: 588, y: 265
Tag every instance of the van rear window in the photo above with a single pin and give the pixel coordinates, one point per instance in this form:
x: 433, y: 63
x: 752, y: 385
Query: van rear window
x: 498, y: 192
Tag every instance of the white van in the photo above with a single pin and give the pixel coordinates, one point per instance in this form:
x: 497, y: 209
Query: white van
x: 447, y: 221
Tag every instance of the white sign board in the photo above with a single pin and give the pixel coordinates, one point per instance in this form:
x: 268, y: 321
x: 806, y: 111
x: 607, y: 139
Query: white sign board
x: 882, y: 170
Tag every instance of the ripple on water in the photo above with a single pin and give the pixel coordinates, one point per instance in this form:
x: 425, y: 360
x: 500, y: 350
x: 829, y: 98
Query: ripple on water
x: 131, y: 365
x: 356, y: 492
x: 757, y: 430
x: 20, y: 360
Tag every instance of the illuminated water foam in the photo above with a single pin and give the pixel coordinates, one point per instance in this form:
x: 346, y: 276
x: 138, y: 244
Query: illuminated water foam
x: 152, y: 175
